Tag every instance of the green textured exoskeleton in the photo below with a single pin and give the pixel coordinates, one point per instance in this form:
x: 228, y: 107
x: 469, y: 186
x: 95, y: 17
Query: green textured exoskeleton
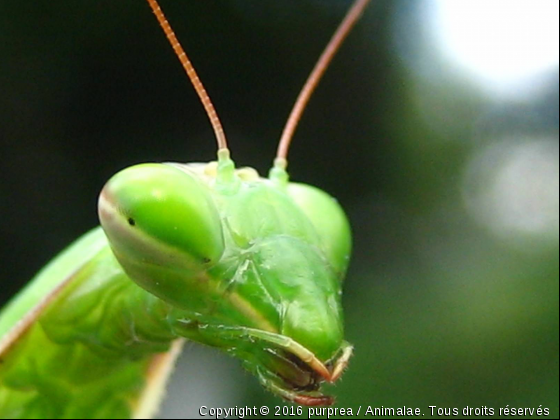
x: 206, y: 252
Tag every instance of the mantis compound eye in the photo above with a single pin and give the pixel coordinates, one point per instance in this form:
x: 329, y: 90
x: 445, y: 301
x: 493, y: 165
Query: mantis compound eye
x: 159, y: 217
x: 330, y: 221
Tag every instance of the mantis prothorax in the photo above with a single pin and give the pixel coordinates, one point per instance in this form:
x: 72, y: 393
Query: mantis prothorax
x: 205, y: 252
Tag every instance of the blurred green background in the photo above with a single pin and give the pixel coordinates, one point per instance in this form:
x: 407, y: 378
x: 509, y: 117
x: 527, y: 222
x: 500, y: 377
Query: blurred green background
x: 449, y: 176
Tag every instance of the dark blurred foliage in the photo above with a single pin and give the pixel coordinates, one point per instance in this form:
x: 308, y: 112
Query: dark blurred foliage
x: 441, y: 310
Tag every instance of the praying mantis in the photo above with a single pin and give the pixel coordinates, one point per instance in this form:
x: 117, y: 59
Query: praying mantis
x: 205, y: 252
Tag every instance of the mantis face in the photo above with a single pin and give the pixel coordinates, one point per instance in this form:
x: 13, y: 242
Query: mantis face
x: 250, y: 265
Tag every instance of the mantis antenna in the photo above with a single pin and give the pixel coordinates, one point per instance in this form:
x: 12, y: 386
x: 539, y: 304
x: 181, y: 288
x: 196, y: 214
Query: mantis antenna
x: 204, y: 98
x: 313, y: 80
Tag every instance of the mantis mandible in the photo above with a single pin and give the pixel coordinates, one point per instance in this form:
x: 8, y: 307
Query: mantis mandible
x: 206, y: 252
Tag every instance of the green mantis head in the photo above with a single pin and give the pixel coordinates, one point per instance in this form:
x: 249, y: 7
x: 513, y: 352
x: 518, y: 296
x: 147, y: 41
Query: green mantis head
x: 254, y: 267
x: 248, y: 264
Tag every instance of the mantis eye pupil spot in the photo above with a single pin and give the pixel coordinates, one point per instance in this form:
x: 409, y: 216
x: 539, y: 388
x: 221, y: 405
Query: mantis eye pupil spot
x: 206, y: 260
x: 131, y: 221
